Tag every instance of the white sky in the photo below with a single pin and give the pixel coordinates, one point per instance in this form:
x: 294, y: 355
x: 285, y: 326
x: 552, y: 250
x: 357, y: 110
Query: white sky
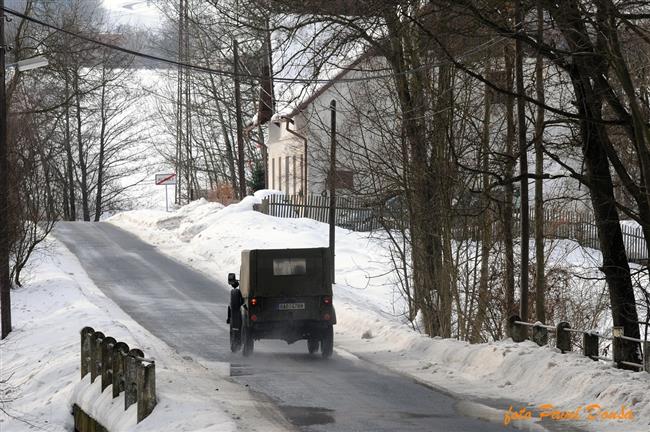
x: 139, y: 13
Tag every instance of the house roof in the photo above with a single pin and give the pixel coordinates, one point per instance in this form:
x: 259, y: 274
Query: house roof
x: 297, y: 109
x: 326, y: 86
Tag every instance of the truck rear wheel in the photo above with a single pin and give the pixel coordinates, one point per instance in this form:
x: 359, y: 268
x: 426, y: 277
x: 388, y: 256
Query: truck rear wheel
x: 327, y: 343
x: 247, y: 340
x: 235, y: 340
x: 235, y: 320
x: 312, y: 345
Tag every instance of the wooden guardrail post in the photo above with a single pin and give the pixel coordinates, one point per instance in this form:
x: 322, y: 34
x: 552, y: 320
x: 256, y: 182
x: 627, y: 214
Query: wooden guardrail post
x: 122, y: 369
x: 146, y: 388
x: 131, y: 377
x: 119, y: 358
x: 646, y: 356
x: 107, y: 361
x: 563, y: 337
x: 540, y: 335
x: 617, y: 345
x: 517, y: 332
x: 86, y: 341
x: 590, y: 345
x: 95, y: 355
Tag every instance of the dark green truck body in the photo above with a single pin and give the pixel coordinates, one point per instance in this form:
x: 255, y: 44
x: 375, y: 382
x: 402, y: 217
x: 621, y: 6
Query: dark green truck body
x: 286, y: 294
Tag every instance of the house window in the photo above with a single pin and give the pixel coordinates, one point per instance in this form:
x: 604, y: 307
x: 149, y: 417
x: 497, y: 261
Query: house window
x: 294, y: 174
x: 286, y: 173
x: 344, y: 179
x: 280, y: 173
x: 302, y: 175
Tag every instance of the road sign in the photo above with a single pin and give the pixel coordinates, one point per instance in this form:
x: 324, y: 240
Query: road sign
x: 165, y: 179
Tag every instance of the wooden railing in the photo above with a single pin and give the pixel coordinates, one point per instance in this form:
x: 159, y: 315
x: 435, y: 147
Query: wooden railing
x: 518, y: 331
x: 126, y: 370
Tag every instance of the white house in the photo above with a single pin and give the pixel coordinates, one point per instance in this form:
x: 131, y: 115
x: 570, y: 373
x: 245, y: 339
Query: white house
x: 369, y: 142
x: 305, y: 129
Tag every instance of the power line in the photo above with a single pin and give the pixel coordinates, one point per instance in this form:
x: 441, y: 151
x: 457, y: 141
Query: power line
x: 167, y: 60
x: 221, y: 72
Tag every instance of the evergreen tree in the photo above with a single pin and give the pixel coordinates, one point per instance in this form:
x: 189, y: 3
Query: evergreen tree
x: 258, y: 177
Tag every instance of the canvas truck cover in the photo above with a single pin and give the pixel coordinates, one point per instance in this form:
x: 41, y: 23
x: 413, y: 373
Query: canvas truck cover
x: 285, y: 272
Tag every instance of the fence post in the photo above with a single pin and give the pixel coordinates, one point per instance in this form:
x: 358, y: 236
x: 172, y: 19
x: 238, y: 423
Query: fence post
x: 517, y: 332
x: 646, y: 356
x: 131, y: 377
x: 107, y: 361
x: 540, y: 335
x: 590, y: 345
x: 146, y: 388
x: 95, y: 355
x: 86, y: 338
x: 119, y: 357
x: 563, y: 339
x: 617, y: 345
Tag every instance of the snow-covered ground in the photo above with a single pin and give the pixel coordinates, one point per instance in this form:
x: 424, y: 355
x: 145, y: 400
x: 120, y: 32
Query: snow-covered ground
x: 209, y: 238
x: 40, y: 362
x: 40, y: 358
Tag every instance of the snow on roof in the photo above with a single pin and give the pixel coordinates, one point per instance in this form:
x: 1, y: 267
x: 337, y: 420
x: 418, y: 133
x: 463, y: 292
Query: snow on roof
x: 307, y: 54
x: 292, y: 109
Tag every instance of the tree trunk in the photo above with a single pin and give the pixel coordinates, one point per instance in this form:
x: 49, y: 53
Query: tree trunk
x: 540, y: 285
x: 429, y: 285
x: 82, y: 160
x: 486, y: 225
x: 69, y: 159
x: 102, y: 148
x: 508, y: 237
x: 524, y: 215
x: 589, y: 96
x: 615, y: 263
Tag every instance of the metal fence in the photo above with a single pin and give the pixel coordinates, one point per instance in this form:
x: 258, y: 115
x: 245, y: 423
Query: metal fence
x: 351, y: 212
x: 581, y: 227
x: 355, y: 214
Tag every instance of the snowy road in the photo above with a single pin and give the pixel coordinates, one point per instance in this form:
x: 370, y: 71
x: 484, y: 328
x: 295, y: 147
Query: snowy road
x: 187, y: 310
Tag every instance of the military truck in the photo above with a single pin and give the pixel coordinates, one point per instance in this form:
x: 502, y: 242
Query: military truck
x: 282, y: 294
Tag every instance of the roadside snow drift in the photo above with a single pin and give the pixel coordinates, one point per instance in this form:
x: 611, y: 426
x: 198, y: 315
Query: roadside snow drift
x: 40, y: 371
x: 210, y: 238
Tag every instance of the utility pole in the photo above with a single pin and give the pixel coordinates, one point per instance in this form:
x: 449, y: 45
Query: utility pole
x: 5, y: 287
x: 179, y: 109
x: 523, y: 164
x: 240, y: 128
x: 190, y: 175
x: 332, y: 185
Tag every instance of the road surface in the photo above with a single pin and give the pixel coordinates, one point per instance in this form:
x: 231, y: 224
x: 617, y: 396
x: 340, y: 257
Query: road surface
x: 187, y: 310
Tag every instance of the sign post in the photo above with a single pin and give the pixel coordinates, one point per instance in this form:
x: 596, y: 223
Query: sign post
x: 166, y: 180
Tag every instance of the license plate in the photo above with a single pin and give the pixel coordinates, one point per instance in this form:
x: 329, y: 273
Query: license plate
x: 291, y: 306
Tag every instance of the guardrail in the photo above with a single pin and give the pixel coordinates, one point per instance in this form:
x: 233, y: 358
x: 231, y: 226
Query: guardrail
x: 126, y: 370
x: 518, y: 330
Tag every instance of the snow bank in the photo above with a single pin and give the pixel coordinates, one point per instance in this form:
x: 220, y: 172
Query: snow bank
x: 210, y: 239
x: 40, y: 361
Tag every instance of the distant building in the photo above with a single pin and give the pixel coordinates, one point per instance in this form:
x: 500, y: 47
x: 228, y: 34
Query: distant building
x: 299, y: 137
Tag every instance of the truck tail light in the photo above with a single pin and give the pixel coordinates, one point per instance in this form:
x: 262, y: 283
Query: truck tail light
x: 253, y: 301
x: 253, y: 317
x: 327, y: 317
x: 327, y: 300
